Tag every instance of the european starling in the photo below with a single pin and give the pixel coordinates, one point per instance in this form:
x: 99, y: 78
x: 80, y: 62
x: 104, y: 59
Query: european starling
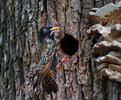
x: 46, y: 33
x: 49, y: 69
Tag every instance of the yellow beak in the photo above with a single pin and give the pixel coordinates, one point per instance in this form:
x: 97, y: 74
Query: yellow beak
x: 55, y: 28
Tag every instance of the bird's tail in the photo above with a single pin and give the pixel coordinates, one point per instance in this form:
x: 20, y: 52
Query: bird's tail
x: 49, y: 84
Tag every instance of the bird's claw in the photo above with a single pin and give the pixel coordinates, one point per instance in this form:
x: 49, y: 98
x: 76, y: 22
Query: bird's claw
x: 61, y: 62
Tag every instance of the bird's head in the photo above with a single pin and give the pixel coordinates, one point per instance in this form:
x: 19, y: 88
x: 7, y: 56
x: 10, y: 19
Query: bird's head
x: 45, y: 33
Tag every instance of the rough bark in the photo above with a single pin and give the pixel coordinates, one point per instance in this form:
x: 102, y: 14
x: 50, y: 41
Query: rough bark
x: 20, y: 21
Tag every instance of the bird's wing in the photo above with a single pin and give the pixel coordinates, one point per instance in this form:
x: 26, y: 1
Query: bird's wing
x: 48, y: 76
x: 48, y: 64
x: 45, y: 68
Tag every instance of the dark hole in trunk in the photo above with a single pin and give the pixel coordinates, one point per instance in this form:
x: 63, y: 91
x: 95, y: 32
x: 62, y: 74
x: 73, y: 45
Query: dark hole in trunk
x: 69, y: 45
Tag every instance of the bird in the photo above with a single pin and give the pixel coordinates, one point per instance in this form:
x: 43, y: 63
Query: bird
x: 45, y: 33
x: 50, y: 68
x: 48, y: 72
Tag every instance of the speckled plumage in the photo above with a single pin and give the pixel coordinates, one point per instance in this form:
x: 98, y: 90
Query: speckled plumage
x: 48, y: 61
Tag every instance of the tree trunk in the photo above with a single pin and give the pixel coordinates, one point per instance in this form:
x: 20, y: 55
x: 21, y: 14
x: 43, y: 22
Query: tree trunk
x: 20, y: 21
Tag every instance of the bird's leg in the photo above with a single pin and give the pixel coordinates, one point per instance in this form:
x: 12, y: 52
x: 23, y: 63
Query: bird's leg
x: 61, y: 62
